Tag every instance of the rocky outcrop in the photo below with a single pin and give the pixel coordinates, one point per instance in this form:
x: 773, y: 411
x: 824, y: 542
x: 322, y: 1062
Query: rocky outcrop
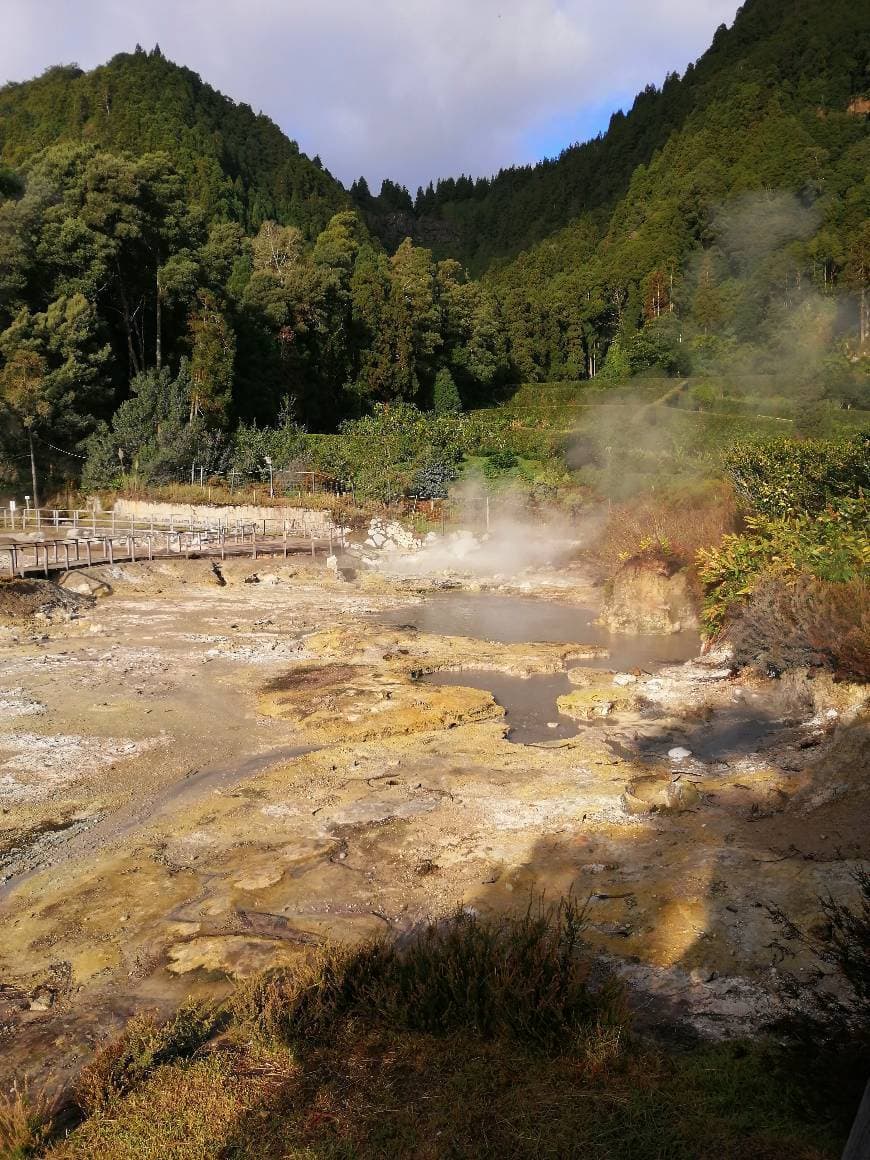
x: 649, y: 596
x: 391, y: 536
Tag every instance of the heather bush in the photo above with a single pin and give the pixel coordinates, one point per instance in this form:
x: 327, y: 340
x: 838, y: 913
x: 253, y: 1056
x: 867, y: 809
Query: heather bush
x: 523, y: 978
x: 124, y: 1063
x: 803, y: 622
x: 684, y: 521
x: 26, y: 1123
x: 827, y: 1018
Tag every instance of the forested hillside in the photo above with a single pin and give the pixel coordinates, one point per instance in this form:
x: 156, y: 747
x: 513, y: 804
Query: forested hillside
x: 236, y: 164
x: 171, y: 266
x: 810, y: 60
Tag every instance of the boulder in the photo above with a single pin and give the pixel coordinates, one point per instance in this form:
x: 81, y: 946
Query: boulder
x: 649, y: 596
x: 586, y: 704
x: 84, y: 583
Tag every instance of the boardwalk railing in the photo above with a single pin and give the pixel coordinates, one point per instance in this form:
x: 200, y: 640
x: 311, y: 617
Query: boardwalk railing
x: 83, y: 548
x: 112, y: 523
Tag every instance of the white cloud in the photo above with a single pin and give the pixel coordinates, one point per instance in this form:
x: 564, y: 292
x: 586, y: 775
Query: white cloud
x: 410, y: 89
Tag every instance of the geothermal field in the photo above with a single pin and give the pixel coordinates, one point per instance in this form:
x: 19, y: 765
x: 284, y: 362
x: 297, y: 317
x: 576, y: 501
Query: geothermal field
x: 209, y: 769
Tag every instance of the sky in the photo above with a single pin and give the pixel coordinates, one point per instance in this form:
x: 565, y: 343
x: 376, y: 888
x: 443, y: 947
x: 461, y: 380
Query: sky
x: 412, y: 90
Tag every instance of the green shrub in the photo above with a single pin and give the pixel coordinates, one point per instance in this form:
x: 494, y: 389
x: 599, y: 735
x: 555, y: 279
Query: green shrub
x: 389, y: 452
x: 498, y: 463
x: 252, y: 445
x: 155, y: 435
x: 783, y: 477
x: 445, y: 395
x: 833, y: 545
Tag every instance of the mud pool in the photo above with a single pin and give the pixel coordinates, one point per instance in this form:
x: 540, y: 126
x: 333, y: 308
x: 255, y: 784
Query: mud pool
x: 530, y: 702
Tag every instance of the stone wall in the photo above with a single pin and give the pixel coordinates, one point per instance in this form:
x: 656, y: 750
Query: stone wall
x: 303, y: 521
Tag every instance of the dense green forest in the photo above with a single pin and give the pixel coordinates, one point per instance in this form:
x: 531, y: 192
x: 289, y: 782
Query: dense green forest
x: 801, y: 61
x: 170, y: 263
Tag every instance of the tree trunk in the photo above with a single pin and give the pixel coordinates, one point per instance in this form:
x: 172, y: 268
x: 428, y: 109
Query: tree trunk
x: 33, y: 469
x: 128, y: 326
x: 158, y: 342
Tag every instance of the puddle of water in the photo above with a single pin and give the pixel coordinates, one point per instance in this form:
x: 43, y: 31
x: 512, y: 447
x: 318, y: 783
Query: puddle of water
x: 520, y: 619
x: 529, y: 702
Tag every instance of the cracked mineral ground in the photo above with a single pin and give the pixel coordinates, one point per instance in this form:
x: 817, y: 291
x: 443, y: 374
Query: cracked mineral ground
x: 200, y: 780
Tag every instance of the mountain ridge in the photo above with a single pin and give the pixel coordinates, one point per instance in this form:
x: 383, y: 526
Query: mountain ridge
x: 238, y: 164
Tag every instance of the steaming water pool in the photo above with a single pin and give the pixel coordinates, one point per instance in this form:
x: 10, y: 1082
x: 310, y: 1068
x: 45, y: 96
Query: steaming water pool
x: 522, y: 619
x: 530, y: 702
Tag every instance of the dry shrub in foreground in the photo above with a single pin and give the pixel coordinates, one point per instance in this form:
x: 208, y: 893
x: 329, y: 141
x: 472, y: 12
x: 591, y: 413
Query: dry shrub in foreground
x: 25, y: 1123
x: 515, y: 978
x: 827, y: 1021
x: 799, y: 622
x: 476, y: 1039
x: 682, y: 524
x: 123, y: 1063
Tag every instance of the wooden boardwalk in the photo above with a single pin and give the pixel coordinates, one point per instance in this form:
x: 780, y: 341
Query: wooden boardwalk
x: 59, y: 543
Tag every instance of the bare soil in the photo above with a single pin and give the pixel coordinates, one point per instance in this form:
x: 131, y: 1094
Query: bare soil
x: 198, y: 781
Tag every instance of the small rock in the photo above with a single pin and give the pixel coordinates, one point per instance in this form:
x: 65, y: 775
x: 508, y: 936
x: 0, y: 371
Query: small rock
x: 678, y: 753
x: 702, y: 975
x: 681, y: 795
x: 625, y: 679
x: 42, y: 999
x: 614, y: 929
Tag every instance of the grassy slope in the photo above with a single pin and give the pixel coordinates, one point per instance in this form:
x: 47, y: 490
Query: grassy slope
x: 474, y: 1040
x: 374, y: 1091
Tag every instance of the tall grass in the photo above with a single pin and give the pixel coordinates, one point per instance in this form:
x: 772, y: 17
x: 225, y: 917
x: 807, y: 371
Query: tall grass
x: 26, y: 1123
x: 517, y: 978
